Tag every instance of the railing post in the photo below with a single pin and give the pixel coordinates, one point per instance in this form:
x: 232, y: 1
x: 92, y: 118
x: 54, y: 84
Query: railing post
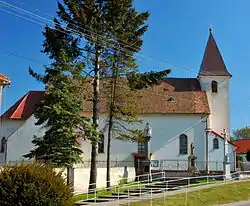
x: 186, y: 196
x: 118, y: 192
x: 207, y: 180
x: 140, y: 191
x: 151, y: 196
x: 95, y: 195
x: 128, y: 193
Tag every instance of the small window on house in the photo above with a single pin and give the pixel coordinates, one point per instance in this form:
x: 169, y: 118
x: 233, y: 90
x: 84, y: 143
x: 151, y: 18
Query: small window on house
x: 101, y: 144
x: 183, y: 144
x: 216, y: 143
x: 3, y: 143
x: 214, y: 86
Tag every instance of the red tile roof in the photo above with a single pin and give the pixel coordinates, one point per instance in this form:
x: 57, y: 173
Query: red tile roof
x: 213, y: 63
x: 243, y: 146
x: 25, y: 106
x: 185, y: 92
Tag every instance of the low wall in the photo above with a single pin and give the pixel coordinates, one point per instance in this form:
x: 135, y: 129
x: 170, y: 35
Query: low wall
x: 82, y: 175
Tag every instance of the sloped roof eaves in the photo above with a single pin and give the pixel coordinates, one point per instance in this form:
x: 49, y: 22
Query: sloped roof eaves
x: 186, y: 93
x: 24, y: 107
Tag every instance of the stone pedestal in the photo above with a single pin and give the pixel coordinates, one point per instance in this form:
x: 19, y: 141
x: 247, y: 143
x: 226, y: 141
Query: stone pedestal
x: 191, y: 164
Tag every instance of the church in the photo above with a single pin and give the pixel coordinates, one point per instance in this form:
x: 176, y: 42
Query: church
x: 182, y: 112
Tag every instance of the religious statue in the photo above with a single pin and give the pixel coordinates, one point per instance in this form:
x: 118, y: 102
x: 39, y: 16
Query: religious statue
x: 191, y: 160
x: 192, y: 148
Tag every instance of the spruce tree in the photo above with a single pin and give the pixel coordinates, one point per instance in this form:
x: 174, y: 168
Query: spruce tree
x: 60, y: 113
x: 98, y: 33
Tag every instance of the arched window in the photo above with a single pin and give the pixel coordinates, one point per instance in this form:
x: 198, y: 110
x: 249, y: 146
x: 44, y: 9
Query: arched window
x: 216, y: 143
x: 3, y: 143
x: 183, y: 144
x: 101, y: 144
x: 214, y: 86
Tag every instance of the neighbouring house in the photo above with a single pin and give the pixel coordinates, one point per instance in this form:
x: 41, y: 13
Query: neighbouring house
x: 243, y: 148
x: 180, y: 111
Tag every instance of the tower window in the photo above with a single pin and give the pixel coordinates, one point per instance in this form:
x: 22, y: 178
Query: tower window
x: 214, y: 87
x: 215, y: 143
x: 101, y: 144
x: 183, y: 144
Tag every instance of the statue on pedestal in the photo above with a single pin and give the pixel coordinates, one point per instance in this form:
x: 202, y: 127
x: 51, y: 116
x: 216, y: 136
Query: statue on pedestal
x: 191, y: 160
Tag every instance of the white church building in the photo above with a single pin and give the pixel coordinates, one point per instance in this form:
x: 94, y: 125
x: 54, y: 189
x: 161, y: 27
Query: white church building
x: 180, y: 111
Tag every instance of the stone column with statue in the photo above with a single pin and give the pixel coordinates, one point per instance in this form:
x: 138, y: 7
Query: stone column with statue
x: 192, y: 168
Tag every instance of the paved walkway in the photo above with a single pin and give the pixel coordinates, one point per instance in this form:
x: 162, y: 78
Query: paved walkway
x: 241, y: 203
x: 166, y: 194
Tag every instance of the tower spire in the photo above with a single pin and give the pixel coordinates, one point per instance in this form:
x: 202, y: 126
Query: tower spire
x: 213, y: 63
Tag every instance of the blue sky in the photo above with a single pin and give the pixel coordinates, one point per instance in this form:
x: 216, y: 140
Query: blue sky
x: 177, y: 36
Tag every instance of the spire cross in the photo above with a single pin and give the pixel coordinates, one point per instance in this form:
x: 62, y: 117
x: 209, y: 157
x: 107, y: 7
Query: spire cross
x: 211, y: 28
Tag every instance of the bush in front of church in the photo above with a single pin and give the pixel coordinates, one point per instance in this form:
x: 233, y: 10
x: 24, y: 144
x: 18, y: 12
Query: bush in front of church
x: 33, y: 184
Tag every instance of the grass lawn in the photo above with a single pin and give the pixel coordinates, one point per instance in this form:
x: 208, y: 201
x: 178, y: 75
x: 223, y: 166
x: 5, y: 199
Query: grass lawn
x: 210, y: 196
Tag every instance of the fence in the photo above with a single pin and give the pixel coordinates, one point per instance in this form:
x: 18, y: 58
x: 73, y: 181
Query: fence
x: 167, y: 165
x: 161, y: 187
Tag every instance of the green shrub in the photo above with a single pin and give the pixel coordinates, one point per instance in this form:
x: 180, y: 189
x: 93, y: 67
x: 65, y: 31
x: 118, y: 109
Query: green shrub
x: 33, y: 185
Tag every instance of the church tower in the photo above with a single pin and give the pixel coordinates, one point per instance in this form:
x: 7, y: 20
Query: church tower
x: 215, y: 80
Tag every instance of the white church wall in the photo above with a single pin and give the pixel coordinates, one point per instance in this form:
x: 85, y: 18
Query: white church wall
x: 20, y: 142
x: 8, y: 128
x: 216, y: 156
x: 164, y: 144
x: 219, y: 103
x: 165, y: 141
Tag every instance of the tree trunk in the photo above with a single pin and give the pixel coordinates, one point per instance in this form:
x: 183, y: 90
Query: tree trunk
x: 95, y: 118
x: 113, y: 92
x: 108, y: 151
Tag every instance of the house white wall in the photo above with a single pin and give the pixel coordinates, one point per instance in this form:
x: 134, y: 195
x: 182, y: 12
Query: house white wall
x: 219, y: 103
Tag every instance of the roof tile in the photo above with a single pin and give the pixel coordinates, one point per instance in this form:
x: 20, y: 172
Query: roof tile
x: 185, y: 95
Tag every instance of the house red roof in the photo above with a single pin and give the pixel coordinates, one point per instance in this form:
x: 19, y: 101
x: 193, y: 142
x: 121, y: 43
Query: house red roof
x: 243, y: 146
x: 25, y: 106
x: 213, y: 63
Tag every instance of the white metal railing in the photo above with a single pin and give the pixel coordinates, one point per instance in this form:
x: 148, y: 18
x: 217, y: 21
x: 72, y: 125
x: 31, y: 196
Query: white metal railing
x: 149, y: 192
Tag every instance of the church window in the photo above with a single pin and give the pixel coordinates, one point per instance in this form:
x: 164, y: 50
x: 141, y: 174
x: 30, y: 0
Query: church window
x: 214, y: 86
x: 3, y: 143
x: 101, y: 144
x: 183, y: 144
x: 216, y: 143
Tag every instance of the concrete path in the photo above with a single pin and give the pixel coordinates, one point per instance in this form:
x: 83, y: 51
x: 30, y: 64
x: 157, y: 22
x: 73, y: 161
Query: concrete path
x: 165, y: 194
x: 241, y: 203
